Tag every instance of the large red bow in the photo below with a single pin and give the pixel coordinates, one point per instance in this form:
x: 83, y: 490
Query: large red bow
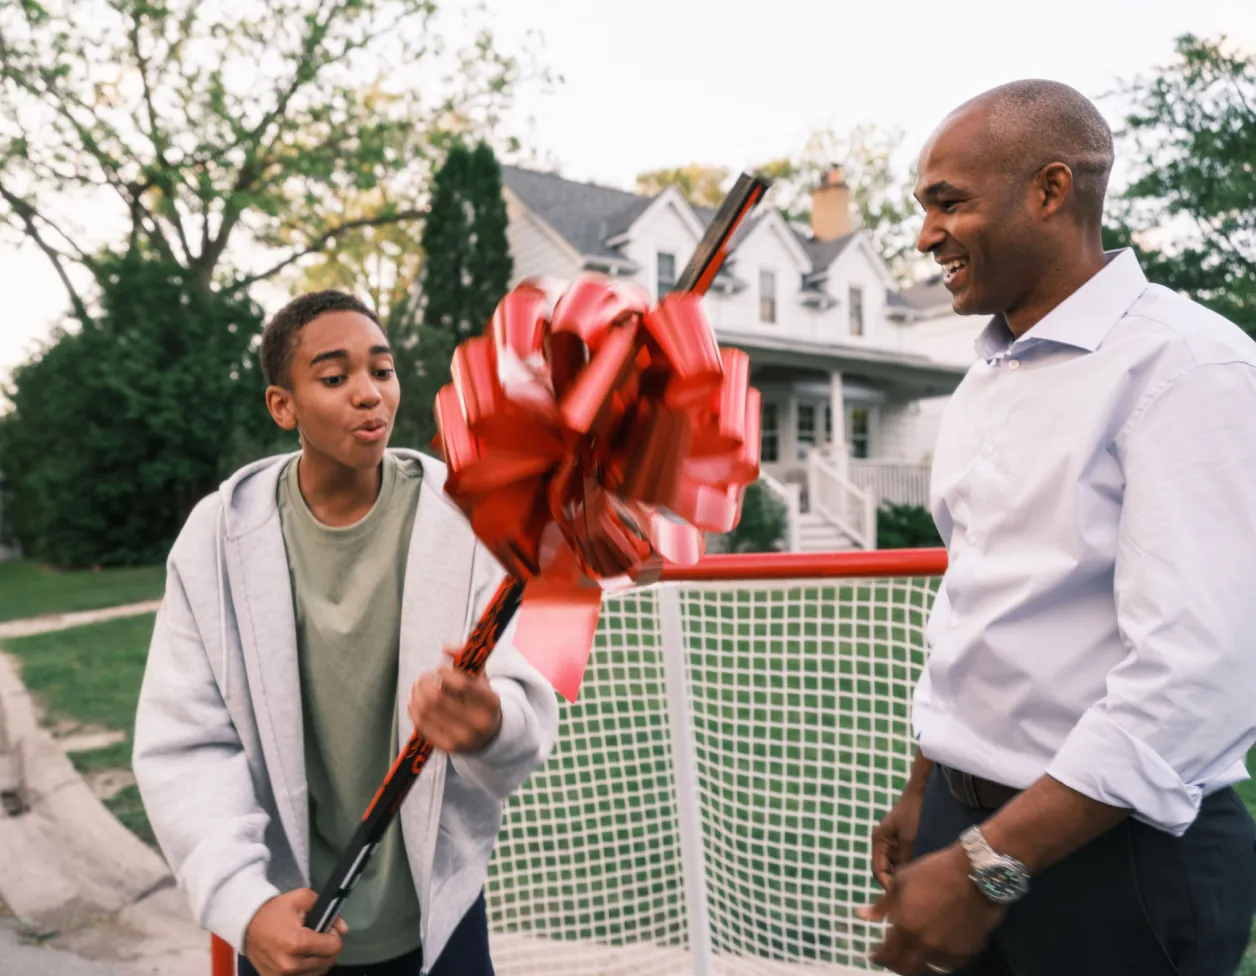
x: 589, y: 437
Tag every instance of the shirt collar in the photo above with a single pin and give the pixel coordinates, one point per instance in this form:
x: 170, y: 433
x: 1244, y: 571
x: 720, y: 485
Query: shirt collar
x: 1084, y: 318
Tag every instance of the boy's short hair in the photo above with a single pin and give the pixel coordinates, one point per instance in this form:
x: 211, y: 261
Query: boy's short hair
x: 280, y: 336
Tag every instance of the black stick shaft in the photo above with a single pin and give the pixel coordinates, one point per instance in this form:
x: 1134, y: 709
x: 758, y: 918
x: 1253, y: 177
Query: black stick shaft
x: 711, y: 251
x: 407, y: 767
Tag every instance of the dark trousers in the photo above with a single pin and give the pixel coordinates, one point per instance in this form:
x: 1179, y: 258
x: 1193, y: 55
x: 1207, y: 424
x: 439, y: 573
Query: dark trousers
x: 466, y: 954
x: 1134, y: 902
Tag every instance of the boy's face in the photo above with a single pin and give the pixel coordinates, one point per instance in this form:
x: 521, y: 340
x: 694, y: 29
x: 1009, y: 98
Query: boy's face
x: 344, y: 391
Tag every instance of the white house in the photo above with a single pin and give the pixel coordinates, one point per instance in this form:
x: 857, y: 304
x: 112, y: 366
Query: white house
x: 852, y: 369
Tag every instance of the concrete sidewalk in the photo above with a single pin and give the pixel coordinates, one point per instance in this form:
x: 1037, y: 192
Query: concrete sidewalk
x: 63, y: 621
x: 99, y: 901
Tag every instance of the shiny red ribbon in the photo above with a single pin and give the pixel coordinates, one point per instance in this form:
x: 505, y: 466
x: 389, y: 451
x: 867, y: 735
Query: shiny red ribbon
x: 590, y: 437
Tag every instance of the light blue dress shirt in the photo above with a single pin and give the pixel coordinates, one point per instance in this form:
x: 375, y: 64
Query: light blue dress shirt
x: 1095, y: 484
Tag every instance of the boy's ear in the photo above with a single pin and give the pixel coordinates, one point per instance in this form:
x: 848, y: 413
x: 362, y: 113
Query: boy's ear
x: 279, y: 403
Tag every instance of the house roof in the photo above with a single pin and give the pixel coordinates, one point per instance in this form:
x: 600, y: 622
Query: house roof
x: 822, y: 253
x: 926, y: 294
x: 588, y: 215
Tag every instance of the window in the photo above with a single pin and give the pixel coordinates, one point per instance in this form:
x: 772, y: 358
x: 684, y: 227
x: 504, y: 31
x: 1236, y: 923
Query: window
x: 770, y: 437
x: 859, y: 432
x: 856, y: 311
x: 806, y: 429
x: 666, y: 273
x: 767, y: 296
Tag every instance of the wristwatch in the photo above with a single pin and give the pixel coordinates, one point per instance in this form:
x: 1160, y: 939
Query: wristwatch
x: 1000, y: 878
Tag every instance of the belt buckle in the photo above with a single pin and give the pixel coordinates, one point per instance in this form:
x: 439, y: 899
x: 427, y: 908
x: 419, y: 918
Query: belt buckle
x: 970, y: 790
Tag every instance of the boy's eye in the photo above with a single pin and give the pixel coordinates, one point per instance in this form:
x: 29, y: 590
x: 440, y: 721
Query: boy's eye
x: 331, y: 380
x: 384, y: 374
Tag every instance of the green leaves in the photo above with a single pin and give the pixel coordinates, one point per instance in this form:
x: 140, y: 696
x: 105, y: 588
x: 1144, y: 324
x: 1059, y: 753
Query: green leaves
x: 1191, y: 132
x: 764, y: 522
x: 466, y: 271
x: 212, y: 123
x: 117, y: 430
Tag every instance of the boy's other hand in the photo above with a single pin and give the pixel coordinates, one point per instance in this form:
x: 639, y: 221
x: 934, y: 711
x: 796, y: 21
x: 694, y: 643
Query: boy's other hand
x: 455, y: 711
x: 277, y: 942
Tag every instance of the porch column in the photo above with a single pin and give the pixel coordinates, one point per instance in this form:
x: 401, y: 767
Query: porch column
x: 789, y: 430
x: 838, y: 450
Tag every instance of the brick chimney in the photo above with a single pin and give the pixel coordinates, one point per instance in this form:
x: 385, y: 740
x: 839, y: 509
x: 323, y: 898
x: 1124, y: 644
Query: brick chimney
x: 830, y: 206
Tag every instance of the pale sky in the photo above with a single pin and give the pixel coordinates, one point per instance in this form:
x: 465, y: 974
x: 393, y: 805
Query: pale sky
x: 660, y: 83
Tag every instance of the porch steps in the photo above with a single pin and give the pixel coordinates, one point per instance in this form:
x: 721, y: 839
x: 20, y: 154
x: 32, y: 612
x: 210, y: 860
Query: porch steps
x: 818, y: 534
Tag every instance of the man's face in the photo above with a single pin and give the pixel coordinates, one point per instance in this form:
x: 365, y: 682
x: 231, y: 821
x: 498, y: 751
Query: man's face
x: 344, y: 392
x: 977, y: 220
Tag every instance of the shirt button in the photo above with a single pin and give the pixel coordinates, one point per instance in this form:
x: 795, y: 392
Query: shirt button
x: 1013, y: 364
x: 988, y: 450
x: 972, y: 538
x: 954, y: 622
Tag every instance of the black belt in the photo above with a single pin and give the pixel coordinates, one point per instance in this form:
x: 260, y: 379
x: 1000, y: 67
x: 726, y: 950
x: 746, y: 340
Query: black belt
x: 973, y: 791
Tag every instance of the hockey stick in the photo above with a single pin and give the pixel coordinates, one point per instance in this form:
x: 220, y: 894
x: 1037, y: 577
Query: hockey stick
x: 701, y: 270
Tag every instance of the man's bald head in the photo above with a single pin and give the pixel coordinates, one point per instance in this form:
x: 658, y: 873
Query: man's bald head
x: 1030, y: 124
x: 1012, y: 184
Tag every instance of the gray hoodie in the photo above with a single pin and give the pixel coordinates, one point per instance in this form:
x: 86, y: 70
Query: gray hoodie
x: 219, y: 752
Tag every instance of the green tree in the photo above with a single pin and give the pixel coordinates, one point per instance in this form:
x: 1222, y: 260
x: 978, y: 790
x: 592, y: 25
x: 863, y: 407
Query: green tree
x: 703, y: 186
x: 220, y: 137
x: 1190, y: 204
x: 212, y: 146
x: 119, y: 428
x: 466, y: 271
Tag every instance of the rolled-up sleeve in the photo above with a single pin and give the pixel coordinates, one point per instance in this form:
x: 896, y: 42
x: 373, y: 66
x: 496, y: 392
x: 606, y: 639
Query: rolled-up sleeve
x: 1180, y: 708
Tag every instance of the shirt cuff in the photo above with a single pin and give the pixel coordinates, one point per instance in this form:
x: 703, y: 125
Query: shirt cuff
x: 1101, y: 760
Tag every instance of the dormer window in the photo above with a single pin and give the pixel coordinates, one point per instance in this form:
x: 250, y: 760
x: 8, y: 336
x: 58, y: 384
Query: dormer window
x: 767, y: 296
x: 856, y: 311
x: 666, y: 273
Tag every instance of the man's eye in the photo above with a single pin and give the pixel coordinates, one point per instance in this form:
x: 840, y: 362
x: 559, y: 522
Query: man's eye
x: 331, y: 380
x: 948, y: 206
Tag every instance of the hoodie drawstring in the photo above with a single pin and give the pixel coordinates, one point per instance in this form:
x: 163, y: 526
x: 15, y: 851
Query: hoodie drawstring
x: 222, y: 606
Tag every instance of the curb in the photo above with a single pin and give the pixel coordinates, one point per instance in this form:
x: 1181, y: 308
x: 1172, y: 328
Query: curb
x: 64, y: 858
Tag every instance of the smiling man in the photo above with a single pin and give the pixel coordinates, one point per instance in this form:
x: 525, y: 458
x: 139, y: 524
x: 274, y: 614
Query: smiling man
x: 307, y: 606
x: 1088, y: 697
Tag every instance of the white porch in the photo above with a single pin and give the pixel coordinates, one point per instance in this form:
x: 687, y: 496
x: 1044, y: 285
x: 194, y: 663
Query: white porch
x: 834, y: 476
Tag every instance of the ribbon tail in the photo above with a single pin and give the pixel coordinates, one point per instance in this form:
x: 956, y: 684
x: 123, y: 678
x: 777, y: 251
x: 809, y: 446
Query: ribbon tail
x: 557, y: 623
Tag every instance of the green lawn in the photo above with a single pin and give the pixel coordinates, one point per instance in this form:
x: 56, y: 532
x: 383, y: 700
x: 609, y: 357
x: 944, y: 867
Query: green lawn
x: 28, y: 589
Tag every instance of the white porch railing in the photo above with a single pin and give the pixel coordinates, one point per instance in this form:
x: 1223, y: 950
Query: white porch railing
x: 897, y: 482
x: 839, y: 500
x: 788, y: 495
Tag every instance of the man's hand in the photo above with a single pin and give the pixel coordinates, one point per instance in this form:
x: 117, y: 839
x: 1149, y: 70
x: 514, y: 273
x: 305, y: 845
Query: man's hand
x: 456, y: 712
x: 277, y: 942
x: 895, y: 835
x: 938, y: 919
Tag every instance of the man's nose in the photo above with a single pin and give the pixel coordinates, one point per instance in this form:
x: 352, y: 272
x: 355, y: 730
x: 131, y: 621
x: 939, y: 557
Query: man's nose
x: 930, y: 236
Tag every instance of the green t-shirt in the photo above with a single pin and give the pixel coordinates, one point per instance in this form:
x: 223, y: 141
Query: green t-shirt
x: 347, y: 585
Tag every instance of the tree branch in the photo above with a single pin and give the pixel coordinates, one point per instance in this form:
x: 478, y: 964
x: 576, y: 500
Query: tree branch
x: 159, y: 143
x: 28, y: 214
x: 322, y: 241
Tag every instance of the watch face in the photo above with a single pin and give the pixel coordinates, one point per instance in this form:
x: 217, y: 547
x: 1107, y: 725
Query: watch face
x: 1002, y: 882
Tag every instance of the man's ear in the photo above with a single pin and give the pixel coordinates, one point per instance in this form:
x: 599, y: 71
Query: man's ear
x: 1055, y: 188
x: 279, y: 403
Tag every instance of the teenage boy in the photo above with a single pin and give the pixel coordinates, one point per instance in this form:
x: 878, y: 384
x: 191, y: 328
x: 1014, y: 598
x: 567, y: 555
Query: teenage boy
x: 309, y: 606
